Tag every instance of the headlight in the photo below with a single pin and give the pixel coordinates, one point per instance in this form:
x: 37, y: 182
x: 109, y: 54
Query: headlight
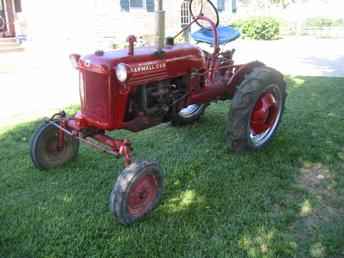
x: 122, y: 72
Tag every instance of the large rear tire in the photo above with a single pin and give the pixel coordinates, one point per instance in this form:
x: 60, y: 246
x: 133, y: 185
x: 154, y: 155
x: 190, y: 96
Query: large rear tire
x: 44, y: 150
x: 257, y: 109
x: 137, y: 191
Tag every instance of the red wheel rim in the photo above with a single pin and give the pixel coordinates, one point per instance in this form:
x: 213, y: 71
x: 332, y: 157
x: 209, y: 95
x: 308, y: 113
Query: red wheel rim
x: 52, y: 150
x: 52, y: 146
x: 264, y: 118
x: 142, y: 195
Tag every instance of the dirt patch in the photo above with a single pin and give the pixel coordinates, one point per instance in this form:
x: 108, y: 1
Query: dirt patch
x: 320, y: 207
x: 314, y: 177
x: 318, y: 181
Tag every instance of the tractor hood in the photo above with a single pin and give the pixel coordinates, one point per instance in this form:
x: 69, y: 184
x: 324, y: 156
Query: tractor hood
x: 146, y: 63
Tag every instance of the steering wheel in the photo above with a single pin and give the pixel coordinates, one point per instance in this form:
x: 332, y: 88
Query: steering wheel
x: 204, y: 8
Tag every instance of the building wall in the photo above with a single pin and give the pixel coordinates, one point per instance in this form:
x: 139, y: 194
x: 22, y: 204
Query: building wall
x: 94, y: 23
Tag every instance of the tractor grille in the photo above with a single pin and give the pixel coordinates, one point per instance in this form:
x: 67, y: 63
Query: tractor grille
x: 94, y: 94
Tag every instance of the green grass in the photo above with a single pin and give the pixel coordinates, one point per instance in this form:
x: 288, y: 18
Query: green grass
x: 283, y: 201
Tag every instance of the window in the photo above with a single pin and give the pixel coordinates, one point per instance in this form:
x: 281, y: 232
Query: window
x: 17, y: 6
x: 234, y: 6
x: 221, y: 5
x: 136, y: 3
x: 185, y: 14
x: 126, y: 5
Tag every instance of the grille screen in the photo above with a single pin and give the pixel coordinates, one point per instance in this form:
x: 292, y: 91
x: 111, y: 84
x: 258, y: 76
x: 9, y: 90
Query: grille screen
x: 95, y: 103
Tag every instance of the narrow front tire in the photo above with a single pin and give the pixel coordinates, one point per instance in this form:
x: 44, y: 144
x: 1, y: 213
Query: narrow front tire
x: 137, y: 191
x: 44, y: 150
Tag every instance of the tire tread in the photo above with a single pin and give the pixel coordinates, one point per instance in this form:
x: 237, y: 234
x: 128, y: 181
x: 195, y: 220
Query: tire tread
x: 243, y: 101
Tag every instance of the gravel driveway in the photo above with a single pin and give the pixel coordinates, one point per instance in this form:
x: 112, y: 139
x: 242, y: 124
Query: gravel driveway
x: 296, y: 56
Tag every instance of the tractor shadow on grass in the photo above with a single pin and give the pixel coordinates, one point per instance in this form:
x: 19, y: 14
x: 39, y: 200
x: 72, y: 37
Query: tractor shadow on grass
x: 278, y: 202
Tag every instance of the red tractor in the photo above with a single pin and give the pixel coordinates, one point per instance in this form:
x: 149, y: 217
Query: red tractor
x: 138, y: 88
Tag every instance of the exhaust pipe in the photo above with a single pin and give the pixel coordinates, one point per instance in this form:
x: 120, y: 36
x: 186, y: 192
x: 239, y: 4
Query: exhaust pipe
x: 160, y: 23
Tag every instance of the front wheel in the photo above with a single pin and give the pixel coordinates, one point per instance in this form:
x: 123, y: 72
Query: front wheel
x: 257, y: 110
x: 189, y: 114
x: 137, y: 191
x: 45, y: 151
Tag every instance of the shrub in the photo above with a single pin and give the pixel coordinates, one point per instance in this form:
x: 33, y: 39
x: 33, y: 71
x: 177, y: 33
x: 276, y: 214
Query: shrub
x: 265, y: 28
x: 237, y: 23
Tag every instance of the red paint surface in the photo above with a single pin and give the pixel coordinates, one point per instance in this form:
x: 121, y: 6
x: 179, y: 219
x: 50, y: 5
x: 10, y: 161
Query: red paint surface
x: 105, y: 98
x: 142, y: 195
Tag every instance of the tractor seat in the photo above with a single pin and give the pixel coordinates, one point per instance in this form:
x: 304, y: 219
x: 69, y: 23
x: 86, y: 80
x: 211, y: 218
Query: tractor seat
x: 226, y: 34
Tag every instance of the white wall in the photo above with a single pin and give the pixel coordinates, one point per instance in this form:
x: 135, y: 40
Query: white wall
x: 94, y: 23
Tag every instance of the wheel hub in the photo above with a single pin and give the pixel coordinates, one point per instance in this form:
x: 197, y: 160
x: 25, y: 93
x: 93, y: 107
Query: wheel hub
x: 264, y: 118
x: 264, y: 114
x: 142, y: 195
x: 53, y: 147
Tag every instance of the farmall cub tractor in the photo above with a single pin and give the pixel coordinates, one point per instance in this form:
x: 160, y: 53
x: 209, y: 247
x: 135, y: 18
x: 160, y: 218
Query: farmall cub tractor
x: 138, y: 88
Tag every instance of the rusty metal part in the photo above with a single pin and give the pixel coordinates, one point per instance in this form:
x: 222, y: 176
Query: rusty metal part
x: 115, y: 147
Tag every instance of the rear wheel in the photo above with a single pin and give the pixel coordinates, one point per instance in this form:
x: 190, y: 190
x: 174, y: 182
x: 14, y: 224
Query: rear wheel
x: 44, y: 149
x: 257, y: 110
x: 189, y: 114
x: 137, y: 191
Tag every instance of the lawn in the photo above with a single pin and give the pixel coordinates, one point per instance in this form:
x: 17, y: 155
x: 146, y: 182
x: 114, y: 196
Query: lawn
x: 283, y: 201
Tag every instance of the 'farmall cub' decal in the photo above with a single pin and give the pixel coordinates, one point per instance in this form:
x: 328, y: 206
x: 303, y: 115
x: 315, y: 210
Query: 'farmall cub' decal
x: 148, y: 67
